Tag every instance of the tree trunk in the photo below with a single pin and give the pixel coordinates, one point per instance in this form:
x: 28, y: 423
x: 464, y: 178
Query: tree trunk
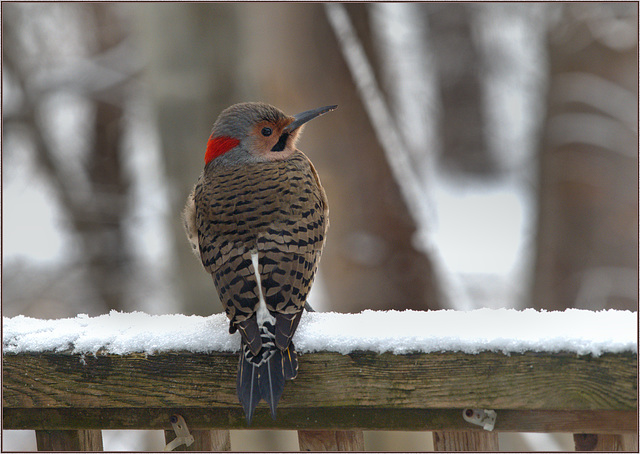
x: 459, y: 69
x: 193, y: 52
x: 369, y: 261
x: 588, y: 183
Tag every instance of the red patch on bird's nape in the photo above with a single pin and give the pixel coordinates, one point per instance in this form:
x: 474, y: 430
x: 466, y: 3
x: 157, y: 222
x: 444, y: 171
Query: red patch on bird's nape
x: 218, y: 146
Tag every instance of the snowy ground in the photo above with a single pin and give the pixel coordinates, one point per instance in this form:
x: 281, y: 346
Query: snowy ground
x: 501, y: 330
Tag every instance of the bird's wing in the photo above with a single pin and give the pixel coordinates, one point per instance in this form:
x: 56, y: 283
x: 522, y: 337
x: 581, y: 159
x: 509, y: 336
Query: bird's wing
x: 225, y: 243
x: 290, y: 250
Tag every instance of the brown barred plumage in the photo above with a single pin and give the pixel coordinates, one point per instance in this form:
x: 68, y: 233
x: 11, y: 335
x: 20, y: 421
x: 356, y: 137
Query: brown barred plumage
x: 260, y: 204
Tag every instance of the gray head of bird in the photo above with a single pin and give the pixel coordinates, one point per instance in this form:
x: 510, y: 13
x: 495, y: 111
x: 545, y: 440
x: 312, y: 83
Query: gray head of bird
x: 254, y: 132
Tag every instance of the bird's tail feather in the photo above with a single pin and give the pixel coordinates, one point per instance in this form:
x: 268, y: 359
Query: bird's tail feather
x: 262, y: 376
x: 247, y: 386
x: 271, y: 381
x: 290, y: 363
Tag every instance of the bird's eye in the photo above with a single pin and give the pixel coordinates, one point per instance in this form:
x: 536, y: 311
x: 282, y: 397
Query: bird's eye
x: 266, y: 131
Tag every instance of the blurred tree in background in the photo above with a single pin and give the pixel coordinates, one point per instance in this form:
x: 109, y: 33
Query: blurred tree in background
x: 74, y: 71
x: 482, y: 155
x: 460, y: 69
x: 192, y: 64
x: 587, y: 249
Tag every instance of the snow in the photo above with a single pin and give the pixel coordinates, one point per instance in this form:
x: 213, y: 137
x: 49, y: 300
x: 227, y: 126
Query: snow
x: 502, y: 330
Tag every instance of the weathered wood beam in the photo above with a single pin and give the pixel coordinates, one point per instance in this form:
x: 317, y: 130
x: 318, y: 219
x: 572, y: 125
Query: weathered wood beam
x: 531, y: 392
x: 529, y: 381
x: 590, y: 421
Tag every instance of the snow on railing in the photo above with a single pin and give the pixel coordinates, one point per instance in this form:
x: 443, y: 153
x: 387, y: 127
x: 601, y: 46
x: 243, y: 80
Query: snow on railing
x: 573, y: 371
x: 503, y: 330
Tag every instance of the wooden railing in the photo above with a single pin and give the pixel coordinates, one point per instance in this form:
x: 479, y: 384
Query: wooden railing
x: 68, y: 398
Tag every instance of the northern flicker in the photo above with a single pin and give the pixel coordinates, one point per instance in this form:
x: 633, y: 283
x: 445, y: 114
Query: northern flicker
x: 257, y: 218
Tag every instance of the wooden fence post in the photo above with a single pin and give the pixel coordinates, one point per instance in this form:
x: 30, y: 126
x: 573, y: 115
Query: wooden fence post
x: 465, y: 441
x: 606, y: 442
x: 331, y: 440
x: 630, y: 442
x: 203, y: 440
x: 69, y: 440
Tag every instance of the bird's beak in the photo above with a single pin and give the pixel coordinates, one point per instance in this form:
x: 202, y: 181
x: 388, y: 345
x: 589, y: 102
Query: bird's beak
x: 302, y: 118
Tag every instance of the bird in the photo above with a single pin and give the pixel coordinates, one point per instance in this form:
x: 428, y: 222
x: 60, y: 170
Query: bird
x: 257, y: 218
